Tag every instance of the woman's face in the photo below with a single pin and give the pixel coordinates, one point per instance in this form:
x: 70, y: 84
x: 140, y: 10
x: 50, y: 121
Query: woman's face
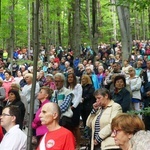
x: 119, y: 84
x: 11, y: 97
x: 19, y: 73
x: 84, y: 80
x: 7, y: 76
x: 121, y: 138
x: 70, y: 78
x: 102, y: 100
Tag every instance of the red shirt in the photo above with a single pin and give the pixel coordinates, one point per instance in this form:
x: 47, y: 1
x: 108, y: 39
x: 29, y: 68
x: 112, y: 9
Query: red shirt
x: 60, y: 139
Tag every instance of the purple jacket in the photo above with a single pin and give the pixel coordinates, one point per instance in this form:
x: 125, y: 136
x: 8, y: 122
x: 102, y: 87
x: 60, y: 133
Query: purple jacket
x: 36, y: 123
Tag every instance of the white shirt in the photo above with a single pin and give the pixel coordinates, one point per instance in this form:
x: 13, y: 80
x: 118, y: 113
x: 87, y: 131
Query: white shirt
x: 14, y: 139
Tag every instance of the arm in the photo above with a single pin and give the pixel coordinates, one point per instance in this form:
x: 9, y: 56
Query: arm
x: 66, y: 103
x: 78, y: 96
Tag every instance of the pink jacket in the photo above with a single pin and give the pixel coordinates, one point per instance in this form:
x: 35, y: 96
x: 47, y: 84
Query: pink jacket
x: 36, y: 123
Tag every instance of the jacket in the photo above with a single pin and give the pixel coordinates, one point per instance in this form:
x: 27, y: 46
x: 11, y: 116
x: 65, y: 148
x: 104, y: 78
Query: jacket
x: 105, y: 125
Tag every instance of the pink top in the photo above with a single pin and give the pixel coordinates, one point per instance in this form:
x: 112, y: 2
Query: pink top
x: 36, y: 123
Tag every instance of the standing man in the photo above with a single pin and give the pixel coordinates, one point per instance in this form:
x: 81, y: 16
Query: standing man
x: 63, y: 97
x: 14, y: 139
x: 57, y: 137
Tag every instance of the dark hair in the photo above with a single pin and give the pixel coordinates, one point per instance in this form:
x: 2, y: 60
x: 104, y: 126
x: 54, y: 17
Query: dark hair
x: 16, y: 93
x: 8, y: 71
x: 120, y: 77
x: 74, y: 80
x: 103, y: 92
x: 14, y: 111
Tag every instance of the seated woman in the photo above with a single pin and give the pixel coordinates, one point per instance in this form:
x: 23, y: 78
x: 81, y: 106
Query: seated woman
x: 141, y: 140
x: 15, y: 99
x: 124, y: 126
x: 99, y: 120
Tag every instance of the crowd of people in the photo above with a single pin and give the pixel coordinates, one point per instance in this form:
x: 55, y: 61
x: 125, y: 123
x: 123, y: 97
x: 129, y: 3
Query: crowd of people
x: 97, y: 88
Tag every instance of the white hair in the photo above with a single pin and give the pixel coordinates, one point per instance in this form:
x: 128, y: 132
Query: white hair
x: 141, y: 140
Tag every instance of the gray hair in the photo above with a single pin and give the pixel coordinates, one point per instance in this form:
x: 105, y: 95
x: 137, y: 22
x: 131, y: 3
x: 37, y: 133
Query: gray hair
x: 60, y: 75
x: 141, y: 140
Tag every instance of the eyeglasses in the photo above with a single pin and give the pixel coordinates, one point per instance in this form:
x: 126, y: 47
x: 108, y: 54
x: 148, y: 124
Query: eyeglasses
x: 130, y: 70
x: 58, y: 81
x: 115, y: 132
x: 3, y: 115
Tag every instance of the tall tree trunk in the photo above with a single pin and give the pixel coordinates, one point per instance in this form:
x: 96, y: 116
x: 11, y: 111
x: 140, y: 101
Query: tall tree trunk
x: 124, y: 21
x: 12, y: 31
x: 35, y: 53
x: 48, y: 25
x: 148, y: 22
x: 89, y: 20
x: 76, y: 27
x: 29, y: 28
x: 59, y: 28
x: 94, y: 25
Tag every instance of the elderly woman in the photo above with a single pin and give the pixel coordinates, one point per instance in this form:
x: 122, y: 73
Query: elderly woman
x: 99, y: 120
x: 135, y: 83
x: 141, y: 140
x: 121, y: 95
x: 124, y: 126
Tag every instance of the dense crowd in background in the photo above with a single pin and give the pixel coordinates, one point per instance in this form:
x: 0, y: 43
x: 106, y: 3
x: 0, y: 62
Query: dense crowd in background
x: 128, y: 81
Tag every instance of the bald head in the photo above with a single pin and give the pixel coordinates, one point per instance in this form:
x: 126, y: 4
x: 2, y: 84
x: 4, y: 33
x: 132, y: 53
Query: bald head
x: 50, y: 113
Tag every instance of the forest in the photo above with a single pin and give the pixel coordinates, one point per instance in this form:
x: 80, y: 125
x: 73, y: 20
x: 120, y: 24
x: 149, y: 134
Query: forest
x: 74, y: 22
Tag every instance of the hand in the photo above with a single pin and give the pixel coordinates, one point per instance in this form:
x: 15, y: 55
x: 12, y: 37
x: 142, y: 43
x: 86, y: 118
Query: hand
x: 95, y: 142
x: 148, y: 93
x: 96, y: 105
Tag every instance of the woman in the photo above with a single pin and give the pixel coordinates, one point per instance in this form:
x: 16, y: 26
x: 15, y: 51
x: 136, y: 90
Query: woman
x: 14, y: 99
x: 44, y: 97
x: 135, y: 84
x: 7, y: 82
x: 121, y: 95
x: 99, y: 120
x: 19, y: 77
x: 87, y: 97
x: 141, y: 140
x: 124, y: 126
x: 50, y: 81
x: 100, y: 76
x: 77, y: 92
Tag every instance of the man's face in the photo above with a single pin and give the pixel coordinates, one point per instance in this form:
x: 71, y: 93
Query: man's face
x: 6, y: 118
x: 59, y: 83
x: 46, y: 116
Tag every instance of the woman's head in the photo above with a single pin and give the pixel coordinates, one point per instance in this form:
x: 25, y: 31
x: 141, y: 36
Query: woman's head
x: 119, y: 81
x: 124, y: 126
x: 71, y: 80
x: 7, y: 74
x: 85, y: 79
x: 131, y: 71
x: 13, y: 95
x: 128, y: 123
x: 28, y: 78
x: 44, y: 93
x: 102, y: 96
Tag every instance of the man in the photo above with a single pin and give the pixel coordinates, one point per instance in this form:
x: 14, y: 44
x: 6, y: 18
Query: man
x: 57, y: 137
x: 63, y: 97
x: 14, y: 137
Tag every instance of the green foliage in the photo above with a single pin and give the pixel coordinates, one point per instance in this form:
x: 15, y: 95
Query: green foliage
x: 145, y: 111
